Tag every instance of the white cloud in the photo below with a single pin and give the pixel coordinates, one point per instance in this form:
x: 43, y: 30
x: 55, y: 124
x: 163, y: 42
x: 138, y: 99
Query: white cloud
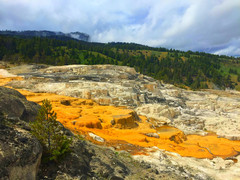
x: 183, y: 24
x: 231, y: 51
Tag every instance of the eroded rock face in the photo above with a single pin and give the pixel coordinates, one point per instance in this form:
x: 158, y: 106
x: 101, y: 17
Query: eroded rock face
x: 20, y: 152
x: 159, y: 111
x: 214, y: 111
x: 126, y: 121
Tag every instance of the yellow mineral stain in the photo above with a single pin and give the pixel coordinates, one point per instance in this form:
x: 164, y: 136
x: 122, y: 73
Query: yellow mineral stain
x: 118, y: 124
x: 122, y: 128
x: 5, y: 80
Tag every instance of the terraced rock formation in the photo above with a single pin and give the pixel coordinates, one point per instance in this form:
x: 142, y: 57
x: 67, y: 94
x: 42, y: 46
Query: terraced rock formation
x: 191, y: 111
x: 105, y: 84
x: 161, y: 149
x: 162, y: 121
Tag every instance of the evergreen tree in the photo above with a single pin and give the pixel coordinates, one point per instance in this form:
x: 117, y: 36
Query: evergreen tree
x: 49, y: 132
x: 173, y: 66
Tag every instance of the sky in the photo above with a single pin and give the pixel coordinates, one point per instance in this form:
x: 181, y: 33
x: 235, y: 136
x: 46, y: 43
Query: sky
x: 198, y: 25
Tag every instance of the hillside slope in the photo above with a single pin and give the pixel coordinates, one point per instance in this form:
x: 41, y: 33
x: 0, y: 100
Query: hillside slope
x: 48, y: 34
x: 184, y: 69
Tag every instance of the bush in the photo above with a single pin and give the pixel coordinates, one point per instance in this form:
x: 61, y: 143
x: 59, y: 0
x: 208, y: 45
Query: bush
x: 49, y: 132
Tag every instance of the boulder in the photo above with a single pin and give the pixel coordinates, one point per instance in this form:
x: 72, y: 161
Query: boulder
x: 14, y: 104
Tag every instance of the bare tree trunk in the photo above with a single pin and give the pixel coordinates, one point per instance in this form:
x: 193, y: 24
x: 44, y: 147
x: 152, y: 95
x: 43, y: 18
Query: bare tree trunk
x: 49, y: 135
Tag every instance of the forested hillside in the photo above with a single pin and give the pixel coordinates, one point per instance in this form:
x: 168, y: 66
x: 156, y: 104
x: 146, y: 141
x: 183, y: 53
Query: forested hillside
x: 185, y: 69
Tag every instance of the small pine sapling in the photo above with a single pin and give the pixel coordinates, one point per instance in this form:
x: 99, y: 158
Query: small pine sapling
x: 49, y: 132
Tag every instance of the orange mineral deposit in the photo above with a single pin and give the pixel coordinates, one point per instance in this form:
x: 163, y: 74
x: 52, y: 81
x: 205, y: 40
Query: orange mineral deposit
x: 123, y: 129
x: 121, y: 126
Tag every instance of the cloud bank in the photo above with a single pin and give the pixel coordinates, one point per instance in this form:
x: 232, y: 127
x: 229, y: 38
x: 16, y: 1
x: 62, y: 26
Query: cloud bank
x: 198, y: 25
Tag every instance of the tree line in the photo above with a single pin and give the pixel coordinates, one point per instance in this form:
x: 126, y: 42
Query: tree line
x: 193, y: 69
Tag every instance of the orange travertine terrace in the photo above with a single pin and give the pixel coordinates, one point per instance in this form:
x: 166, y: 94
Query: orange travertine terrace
x: 121, y: 128
x: 5, y: 80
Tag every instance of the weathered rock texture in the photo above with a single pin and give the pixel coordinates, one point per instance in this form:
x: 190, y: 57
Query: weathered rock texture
x: 216, y: 111
x: 15, y: 105
x: 123, y: 129
x: 20, y: 152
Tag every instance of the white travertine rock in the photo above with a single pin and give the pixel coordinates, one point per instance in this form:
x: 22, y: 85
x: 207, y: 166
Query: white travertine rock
x: 193, y: 112
x: 96, y: 137
x: 186, y: 167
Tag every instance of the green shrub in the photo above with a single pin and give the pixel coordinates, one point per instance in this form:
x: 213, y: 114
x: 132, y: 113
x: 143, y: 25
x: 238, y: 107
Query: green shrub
x: 49, y: 132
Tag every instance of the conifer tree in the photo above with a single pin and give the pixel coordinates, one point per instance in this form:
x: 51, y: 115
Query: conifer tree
x: 49, y: 132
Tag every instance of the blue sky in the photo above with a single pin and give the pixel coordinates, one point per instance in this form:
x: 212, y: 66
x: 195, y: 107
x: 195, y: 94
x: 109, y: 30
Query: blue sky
x: 198, y: 25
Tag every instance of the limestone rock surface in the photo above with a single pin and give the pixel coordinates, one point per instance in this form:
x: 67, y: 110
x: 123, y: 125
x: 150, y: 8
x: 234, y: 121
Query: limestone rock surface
x: 20, y: 154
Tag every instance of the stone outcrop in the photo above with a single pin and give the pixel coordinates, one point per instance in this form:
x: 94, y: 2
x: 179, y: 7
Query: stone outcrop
x: 159, y: 111
x: 195, y: 112
x: 84, y: 116
x: 20, y: 152
x: 96, y: 137
x: 191, y: 111
x: 15, y: 105
x: 215, y: 111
